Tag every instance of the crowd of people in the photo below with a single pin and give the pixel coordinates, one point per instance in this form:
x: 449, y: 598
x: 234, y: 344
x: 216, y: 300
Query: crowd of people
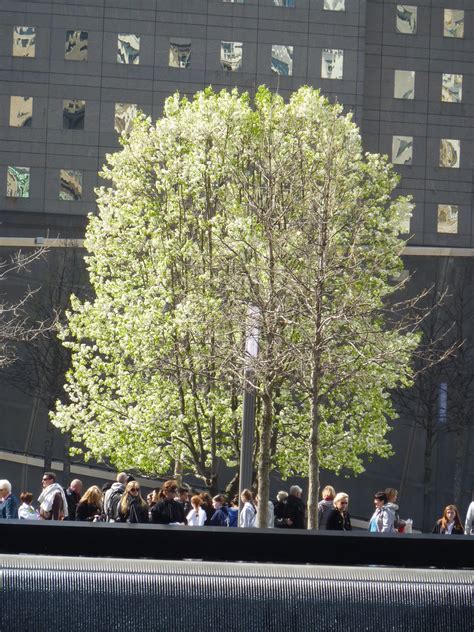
x: 174, y: 504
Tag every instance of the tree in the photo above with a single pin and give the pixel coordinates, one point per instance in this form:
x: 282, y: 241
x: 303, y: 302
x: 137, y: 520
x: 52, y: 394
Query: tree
x: 222, y: 205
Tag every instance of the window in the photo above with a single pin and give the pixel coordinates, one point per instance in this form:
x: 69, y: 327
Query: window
x: 128, y: 49
x: 18, y: 182
x: 234, y: 1
x: 453, y: 23
x: 448, y: 218
x: 75, y: 48
x: 124, y: 115
x: 70, y: 185
x: 332, y: 61
x: 402, y: 150
x: 24, y: 41
x: 74, y: 113
x: 180, y: 52
x: 449, y: 153
x: 334, y: 5
x: 404, y: 84
x: 21, y: 111
x: 231, y: 56
x: 284, y: 3
x: 451, y: 91
x: 406, y: 19
x: 282, y: 60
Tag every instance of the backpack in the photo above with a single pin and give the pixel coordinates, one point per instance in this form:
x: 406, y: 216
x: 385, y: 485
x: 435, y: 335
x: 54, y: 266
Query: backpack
x: 113, y: 504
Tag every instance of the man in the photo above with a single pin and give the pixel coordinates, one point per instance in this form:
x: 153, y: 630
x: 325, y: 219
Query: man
x: 73, y: 496
x: 53, y: 505
x: 8, y: 502
x: 113, y: 496
x: 295, y: 509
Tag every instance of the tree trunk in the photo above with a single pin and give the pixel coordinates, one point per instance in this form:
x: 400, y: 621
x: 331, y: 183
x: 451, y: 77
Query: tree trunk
x: 459, y: 464
x: 313, y: 491
x: 67, y: 460
x: 48, y: 446
x: 264, y: 460
x: 427, y: 474
x: 232, y: 488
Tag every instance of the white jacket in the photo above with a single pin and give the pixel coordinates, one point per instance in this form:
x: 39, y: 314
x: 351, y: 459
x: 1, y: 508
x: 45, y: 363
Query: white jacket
x: 248, y: 516
x: 196, y: 519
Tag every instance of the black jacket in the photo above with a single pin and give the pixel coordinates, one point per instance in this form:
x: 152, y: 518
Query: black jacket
x: 167, y: 511
x: 135, y: 512
x: 296, y: 512
x: 337, y: 522
x: 72, y: 500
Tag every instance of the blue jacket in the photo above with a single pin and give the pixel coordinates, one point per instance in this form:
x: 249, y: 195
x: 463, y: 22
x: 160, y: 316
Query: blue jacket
x: 9, y: 508
x: 220, y: 518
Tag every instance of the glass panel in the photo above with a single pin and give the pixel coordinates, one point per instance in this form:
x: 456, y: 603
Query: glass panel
x: 406, y: 19
x: 449, y: 153
x: 128, y: 51
x: 231, y: 56
x: 453, y: 23
x: 24, y: 41
x: 284, y: 3
x: 70, y: 185
x: 74, y: 113
x: 124, y: 115
x: 282, y: 60
x: 402, y: 150
x: 18, y: 182
x: 404, y: 84
x: 180, y: 52
x: 235, y: 1
x: 75, y: 48
x: 452, y: 89
x: 447, y: 218
x: 21, y: 111
x: 332, y: 61
x: 334, y: 5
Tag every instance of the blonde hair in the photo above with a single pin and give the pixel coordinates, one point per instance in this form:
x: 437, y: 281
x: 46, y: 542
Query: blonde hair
x: 92, y: 496
x: 125, y: 500
x: 328, y: 491
x: 340, y: 496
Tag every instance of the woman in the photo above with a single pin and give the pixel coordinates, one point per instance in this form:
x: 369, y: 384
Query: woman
x: 168, y: 510
x: 280, y: 510
x: 248, y: 514
x: 89, y: 508
x: 220, y: 517
x: 132, y: 507
x: 196, y: 516
x: 326, y: 505
x: 382, y: 518
x: 338, y: 518
x: 392, y: 496
x: 26, y: 511
x: 206, y: 504
x: 450, y: 523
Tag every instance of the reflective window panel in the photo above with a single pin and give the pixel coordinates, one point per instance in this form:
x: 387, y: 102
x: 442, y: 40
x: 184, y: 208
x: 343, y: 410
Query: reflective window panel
x: 282, y: 60
x: 453, y: 23
x: 231, y: 56
x: 402, y: 150
x: 404, y: 84
x: 448, y: 218
x: 21, y: 111
x: 234, y: 1
x: 452, y: 88
x: 124, y: 115
x: 75, y: 48
x: 74, y: 113
x: 284, y: 3
x: 70, y: 185
x: 18, y: 182
x: 334, y: 5
x: 406, y: 19
x: 332, y: 61
x: 449, y: 153
x: 24, y: 41
x: 180, y: 52
x: 128, y: 49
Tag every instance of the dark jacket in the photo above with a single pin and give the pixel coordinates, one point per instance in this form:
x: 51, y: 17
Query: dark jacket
x: 220, y: 517
x: 324, y: 509
x: 72, y: 499
x: 9, y: 508
x: 167, y: 511
x: 338, y: 522
x: 85, y: 512
x: 457, y: 529
x: 135, y: 512
x: 295, y: 512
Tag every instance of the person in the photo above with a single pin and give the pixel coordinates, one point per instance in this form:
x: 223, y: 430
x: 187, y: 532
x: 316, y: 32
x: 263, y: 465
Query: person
x: 113, y: 495
x: 196, y: 516
x: 295, y: 509
x: 382, y: 518
x: 8, y: 501
x: 220, y: 517
x: 280, y: 510
x: 339, y: 519
x: 183, y: 498
x: 132, y: 507
x: 271, y: 513
x: 326, y: 505
x: 248, y: 513
x: 392, y: 496
x: 90, y: 508
x: 167, y: 510
x: 234, y: 512
x: 73, y: 496
x: 26, y: 511
x: 449, y: 523
x: 53, y: 505
x: 469, y: 524
x: 207, y: 506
